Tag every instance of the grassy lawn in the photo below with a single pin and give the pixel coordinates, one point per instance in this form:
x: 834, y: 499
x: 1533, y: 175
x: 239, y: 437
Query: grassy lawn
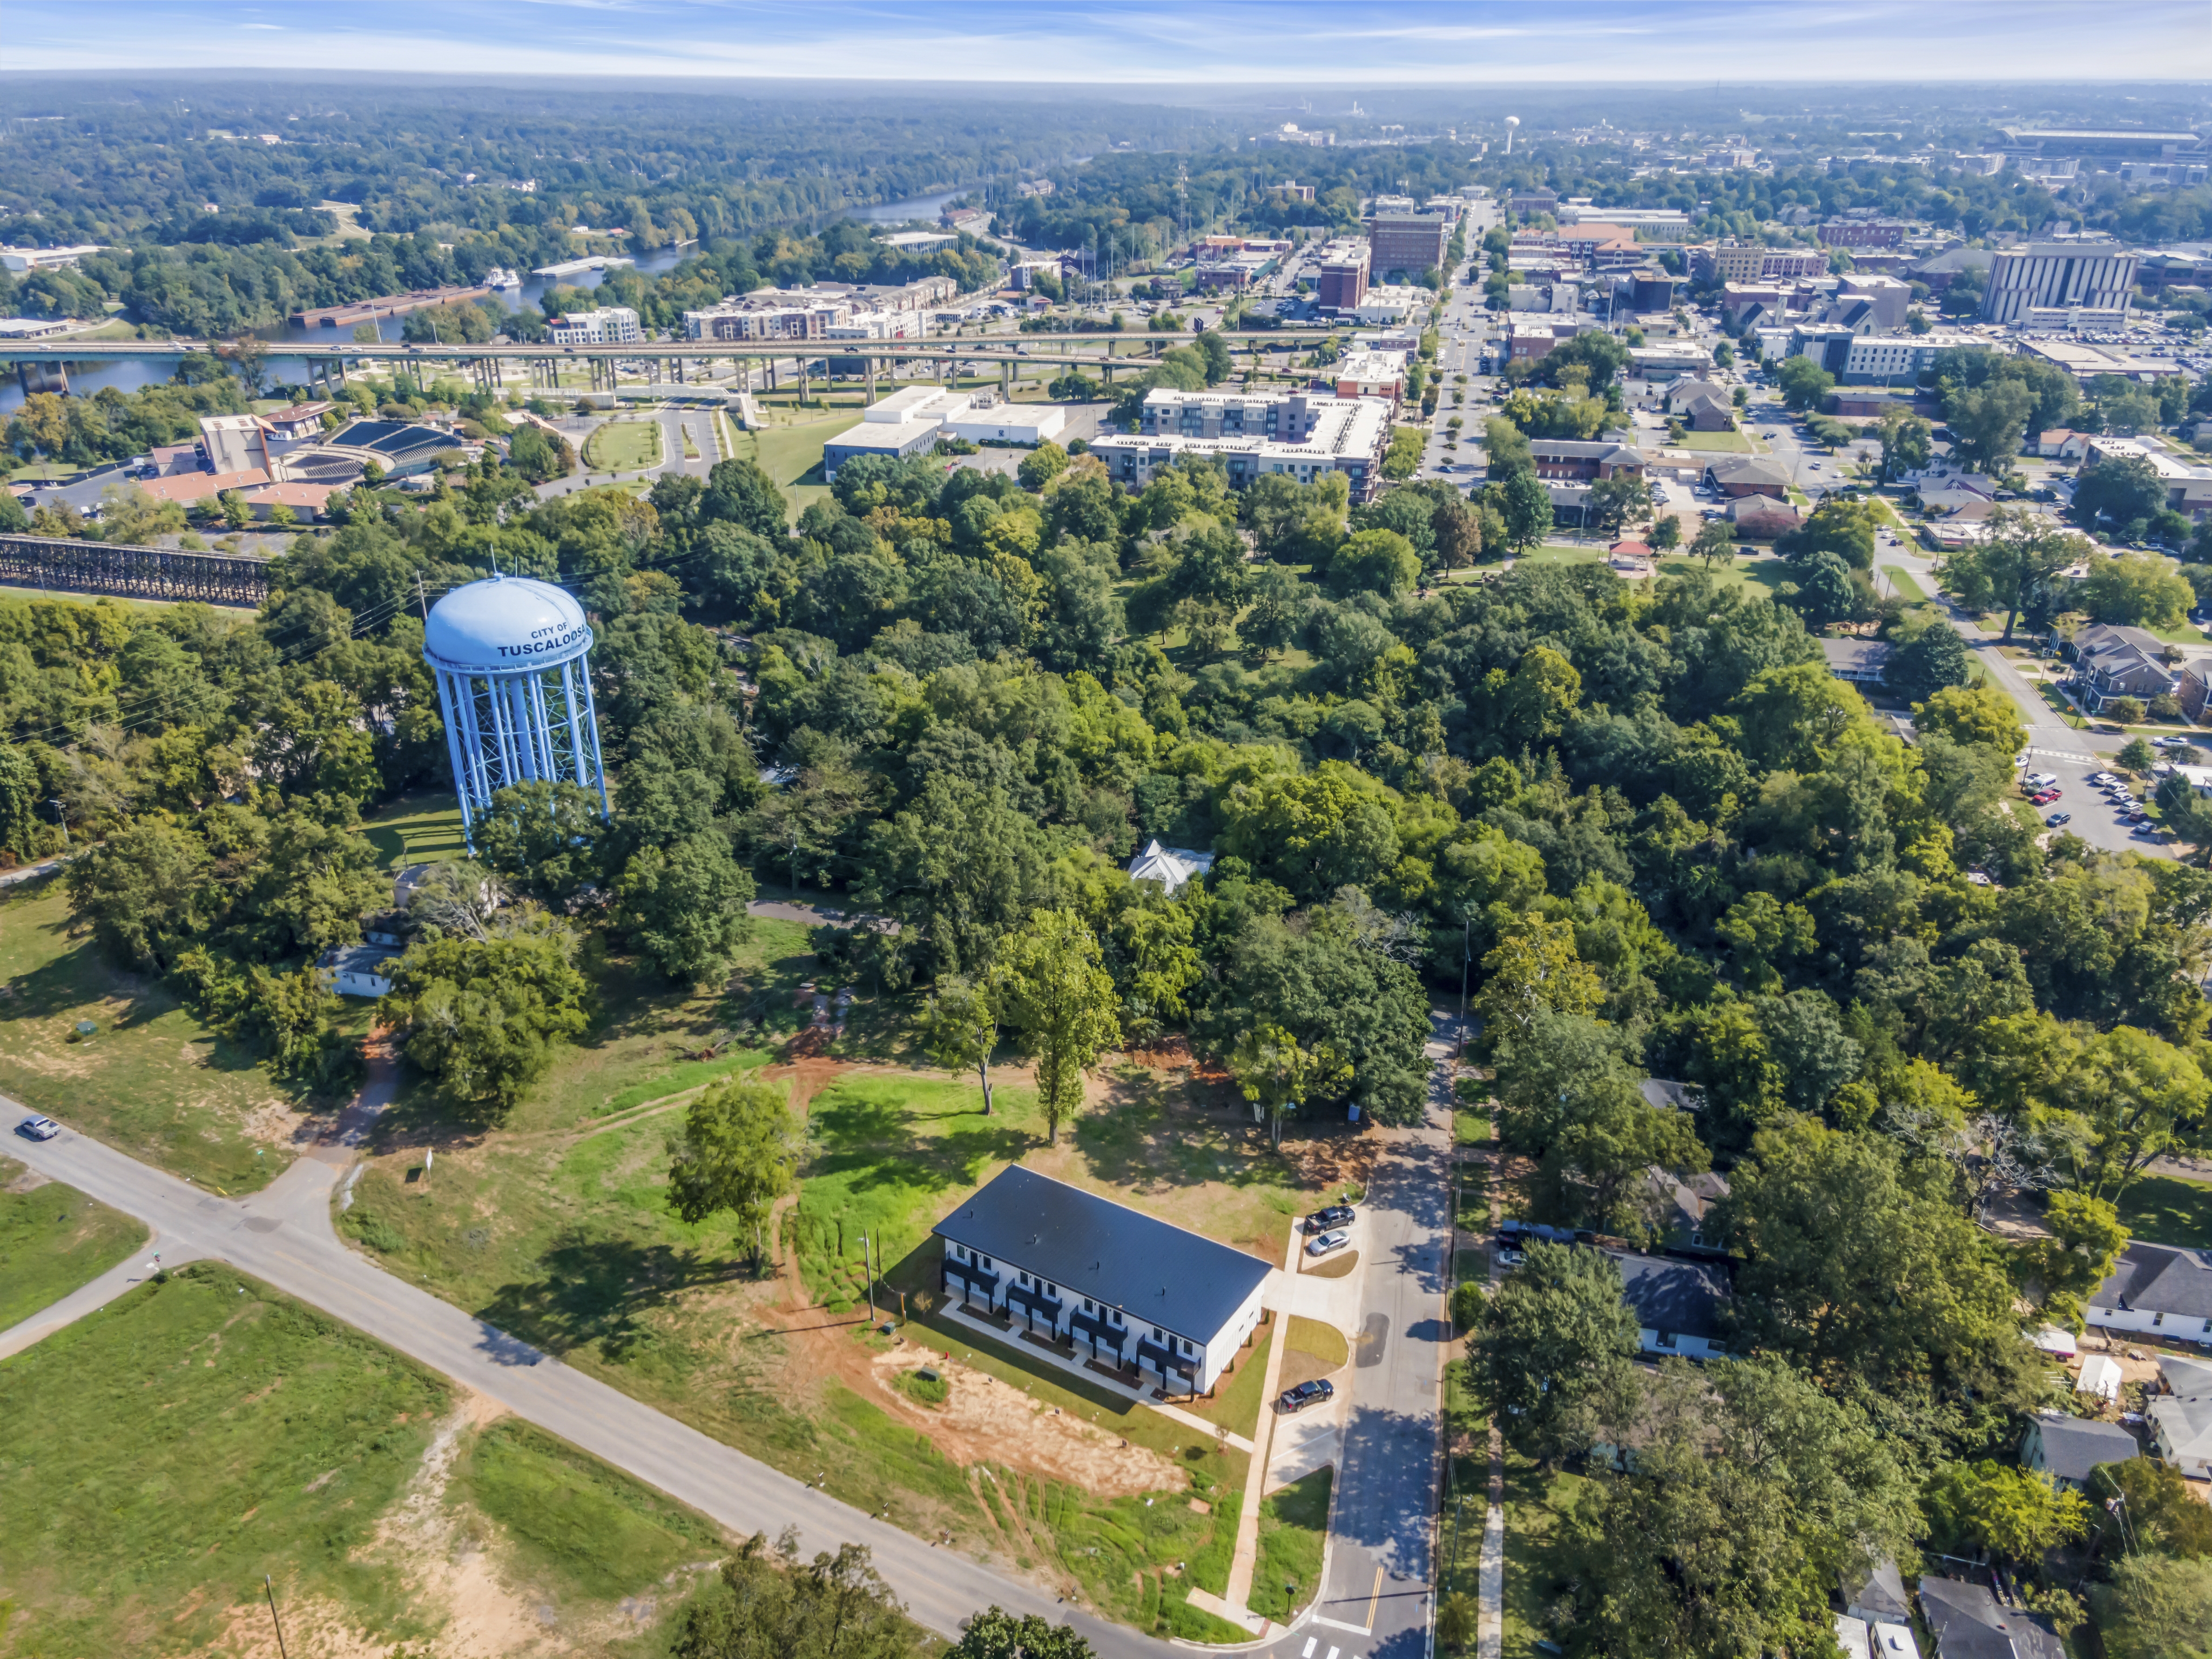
x: 1902, y: 582
x: 1734, y: 443
x: 1235, y: 1403
x: 2167, y: 1211
x: 1292, y: 1526
x: 573, y: 1522
x: 1759, y: 573
x: 1459, y: 1536
x: 161, y: 1455
x: 158, y: 1458
x: 52, y: 1239
x: 1324, y: 1342
x: 1536, y: 1553
x: 151, y: 1080
x: 789, y: 454
x: 424, y: 828
x: 623, y: 446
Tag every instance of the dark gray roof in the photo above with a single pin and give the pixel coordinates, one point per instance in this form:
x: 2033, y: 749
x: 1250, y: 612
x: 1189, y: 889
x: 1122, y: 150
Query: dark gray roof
x: 1683, y: 1297
x: 1970, y: 1623
x: 2160, y: 1279
x: 1566, y: 449
x: 1151, y: 1269
x: 2073, y: 1446
x: 1747, y: 468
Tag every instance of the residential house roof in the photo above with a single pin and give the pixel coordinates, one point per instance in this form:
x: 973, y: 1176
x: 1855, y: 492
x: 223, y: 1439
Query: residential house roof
x: 1700, y: 403
x: 1748, y: 470
x: 1681, y: 1202
x: 2185, y: 1425
x: 1152, y: 1270
x: 1682, y: 390
x: 2074, y: 1446
x: 1850, y: 658
x: 2160, y: 1279
x: 1171, y: 866
x: 358, y: 958
x: 1764, y: 511
x: 1683, y: 1297
x: 1970, y: 1623
x: 1682, y: 1097
x: 2186, y: 1375
x: 1876, y: 1592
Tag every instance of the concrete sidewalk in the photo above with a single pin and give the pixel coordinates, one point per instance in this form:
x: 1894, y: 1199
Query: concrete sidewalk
x: 92, y: 1298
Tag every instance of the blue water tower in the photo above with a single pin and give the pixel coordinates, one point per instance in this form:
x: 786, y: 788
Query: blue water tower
x: 514, y: 684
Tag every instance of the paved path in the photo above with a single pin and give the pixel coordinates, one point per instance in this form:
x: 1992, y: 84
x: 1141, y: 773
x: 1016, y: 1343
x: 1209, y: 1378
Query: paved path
x: 90, y: 1298
x: 282, y: 1236
x: 1381, y: 1569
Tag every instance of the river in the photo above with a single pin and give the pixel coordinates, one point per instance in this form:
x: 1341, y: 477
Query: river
x: 129, y: 374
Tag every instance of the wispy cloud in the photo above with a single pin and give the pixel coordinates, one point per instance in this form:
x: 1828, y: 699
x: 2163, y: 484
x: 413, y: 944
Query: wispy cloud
x: 1353, y: 43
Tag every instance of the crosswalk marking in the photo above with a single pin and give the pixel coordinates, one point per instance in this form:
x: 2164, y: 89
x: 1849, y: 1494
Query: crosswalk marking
x: 1312, y: 1642
x: 2062, y: 754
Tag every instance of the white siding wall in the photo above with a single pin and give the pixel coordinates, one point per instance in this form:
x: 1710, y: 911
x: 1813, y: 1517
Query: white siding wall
x: 2187, y: 1328
x: 1686, y: 1347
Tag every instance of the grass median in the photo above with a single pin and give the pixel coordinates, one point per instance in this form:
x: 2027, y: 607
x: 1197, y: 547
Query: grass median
x: 623, y: 446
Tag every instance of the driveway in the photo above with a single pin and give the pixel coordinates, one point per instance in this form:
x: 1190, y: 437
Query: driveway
x: 282, y: 1236
x: 1376, y: 1599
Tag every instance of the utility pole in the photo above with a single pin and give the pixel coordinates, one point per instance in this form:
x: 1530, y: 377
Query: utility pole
x: 868, y: 1273
x: 61, y: 816
x: 271, y: 1589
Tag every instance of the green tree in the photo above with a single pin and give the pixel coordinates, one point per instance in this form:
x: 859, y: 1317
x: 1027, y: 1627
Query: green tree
x: 1533, y: 971
x: 1277, y: 1076
x: 2138, y: 589
x: 2157, y: 1508
x: 1747, y: 1490
x: 144, y: 892
x: 686, y: 906
x: 768, y: 1601
x: 2156, y: 1607
x: 1622, y: 499
x: 1550, y: 1359
x: 546, y: 840
x: 2021, y: 1514
x: 1053, y: 993
x: 1907, y: 444
x: 994, y: 1634
x: 1042, y: 466
x: 738, y: 1152
x: 1380, y: 561
x: 1926, y: 663
x: 960, y: 1030
x: 2019, y: 560
x: 1522, y: 502
x: 1856, y: 1261
x: 1715, y: 540
x: 1805, y: 384
x: 481, y: 1017
x: 1988, y: 422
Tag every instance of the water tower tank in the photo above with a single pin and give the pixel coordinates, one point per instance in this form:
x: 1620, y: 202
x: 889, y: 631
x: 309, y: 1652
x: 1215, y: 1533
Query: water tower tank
x: 514, y: 684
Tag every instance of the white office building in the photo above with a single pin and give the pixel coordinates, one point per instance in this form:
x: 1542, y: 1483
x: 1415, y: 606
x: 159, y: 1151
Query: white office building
x: 2054, y: 276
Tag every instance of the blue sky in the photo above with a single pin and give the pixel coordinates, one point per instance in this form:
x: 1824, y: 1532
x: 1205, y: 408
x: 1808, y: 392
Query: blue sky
x: 1310, y: 42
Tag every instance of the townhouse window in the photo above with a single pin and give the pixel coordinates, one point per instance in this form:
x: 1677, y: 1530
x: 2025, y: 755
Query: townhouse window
x: 1666, y: 1339
x: 2157, y: 1319
x: 1026, y: 1282
x: 1087, y: 1308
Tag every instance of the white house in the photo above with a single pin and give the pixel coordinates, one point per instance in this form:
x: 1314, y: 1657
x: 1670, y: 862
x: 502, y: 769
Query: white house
x: 1109, y: 1282
x: 2181, y: 1420
x: 994, y: 422
x: 1677, y: 1304
x: 1171, y: 866
x: 359, y: 970
x: 2157, y: 1289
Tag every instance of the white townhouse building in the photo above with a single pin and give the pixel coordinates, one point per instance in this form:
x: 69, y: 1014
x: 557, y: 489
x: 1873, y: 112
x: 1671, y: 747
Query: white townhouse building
x: 1109, y: 1282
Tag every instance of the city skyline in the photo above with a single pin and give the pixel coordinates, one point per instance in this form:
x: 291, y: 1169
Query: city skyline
x: 1227, y: 42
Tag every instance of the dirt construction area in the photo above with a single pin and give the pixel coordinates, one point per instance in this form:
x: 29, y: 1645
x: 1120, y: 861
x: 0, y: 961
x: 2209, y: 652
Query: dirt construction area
x: 984, y: 1420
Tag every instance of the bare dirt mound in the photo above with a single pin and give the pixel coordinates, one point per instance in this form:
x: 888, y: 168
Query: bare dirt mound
x: 984, y: 1420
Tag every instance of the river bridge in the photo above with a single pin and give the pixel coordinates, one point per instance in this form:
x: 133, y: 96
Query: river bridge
x: 43, y: 365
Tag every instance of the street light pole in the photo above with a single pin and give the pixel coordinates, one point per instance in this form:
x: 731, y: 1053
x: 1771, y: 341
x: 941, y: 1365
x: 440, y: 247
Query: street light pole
x: 271, y: 1589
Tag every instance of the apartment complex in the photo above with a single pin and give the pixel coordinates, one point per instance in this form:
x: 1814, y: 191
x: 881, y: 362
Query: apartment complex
x: 1341, y: 280
x: 1862, y: 232
x: 1750, y: 261
x: 817, y: 312
x: 1301, y: 435
x: 2055, y: 277
x: 605, y: 325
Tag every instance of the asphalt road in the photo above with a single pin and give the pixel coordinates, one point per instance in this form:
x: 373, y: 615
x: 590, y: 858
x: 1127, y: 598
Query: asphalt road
x: 283, y: 1236
x: 1376, y: 1601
